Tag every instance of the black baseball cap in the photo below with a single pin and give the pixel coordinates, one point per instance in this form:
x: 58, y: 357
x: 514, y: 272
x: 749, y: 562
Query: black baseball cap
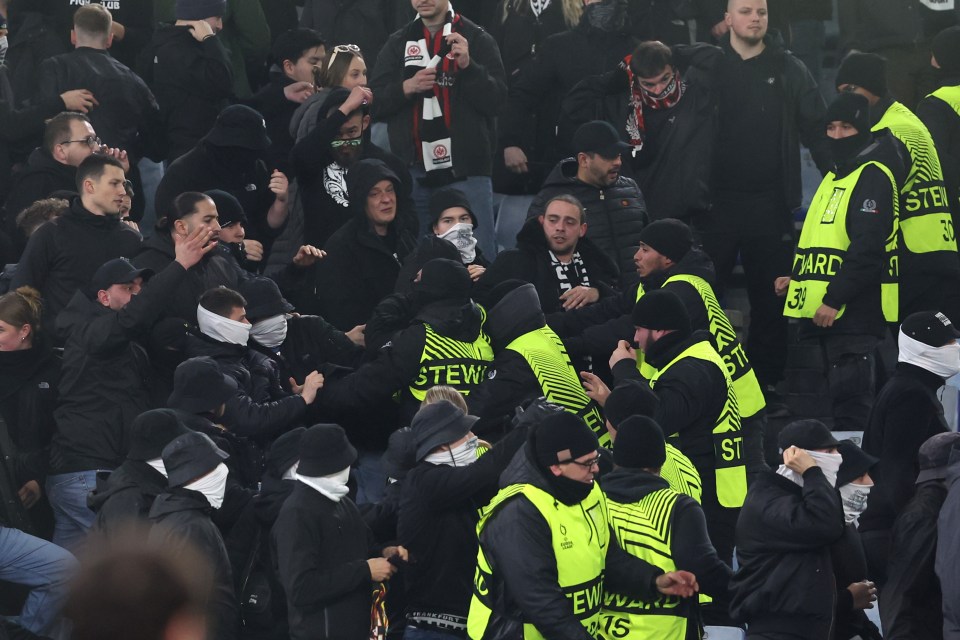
x: 935, y: 454
x: 930, y: 327
x: 600, y: 137
x: 116, y: 271
x: 807, y: 434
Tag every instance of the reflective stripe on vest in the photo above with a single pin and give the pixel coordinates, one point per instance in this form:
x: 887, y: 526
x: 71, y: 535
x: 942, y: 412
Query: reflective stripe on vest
x: 644, y: 529
x: 461, y: 365
x: 950, y: 95
x: 645, y: 368
x: 543, y: 350
x: 579, y: 539
x: 925, y: 221
x: 680, y: 474
x: 725, y: 341
x: 730, y: 472
x: 823, y: 245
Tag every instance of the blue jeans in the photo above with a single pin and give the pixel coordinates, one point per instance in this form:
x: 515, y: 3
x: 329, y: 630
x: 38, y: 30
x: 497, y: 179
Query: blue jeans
x: 31, y: 561
x: 68, y: 493
x: 370, y: 476
x: 479, y: 191
x: 416, y: 633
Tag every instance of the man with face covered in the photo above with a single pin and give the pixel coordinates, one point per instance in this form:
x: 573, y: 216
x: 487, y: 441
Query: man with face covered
x: 843, y: 282
x: 322, y: 158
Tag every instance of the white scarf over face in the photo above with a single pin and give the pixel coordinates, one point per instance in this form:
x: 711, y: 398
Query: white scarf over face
x: 333, y: 486
x: 459, y: 456
x: 213, y: 486
x: 854, y: 499
x: 157, y: 463
x: 222, y: 329
x: 270, y: 332
x: 461, y: 236
x: 942, y: 361
x: 829, y: 463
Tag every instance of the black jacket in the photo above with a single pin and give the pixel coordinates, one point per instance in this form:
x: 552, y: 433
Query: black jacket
x: 271, y: 102
x: 673, y: 168
x: 136, y: 16
x: 439, y: 511
x: 783, y: 539
x: 192, y: 81
x: 849, y: 566
x: 105, y: 381
x: 615, y: 215
x: 476, y: 97
x: 125, y: 496
x: 360, y: 268
x: 517, y: 543
x: 943, y: 122
x: 63, y: 254
x: 311, y: 342
x: 40, y: 176
x: 365, y: 23
x: 530, y: 261
x: 181, y: 518
x: 905, y: 414
x: 910, y: 603
x: 948, y: 549
x: 322, y: 182
x: 520, y: 34
x: 322, y: 549
x: 869, y: 25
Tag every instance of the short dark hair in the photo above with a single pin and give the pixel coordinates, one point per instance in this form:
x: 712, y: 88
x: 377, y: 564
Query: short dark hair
x: 39, y: 212
x: 222, y: 301
x: 93, y: 20
x: 183, y: 205
x: 569, y: 199
x: 293, y: 43
x: 93, y: 167
x: 58, y: 128
x: 650, y: 58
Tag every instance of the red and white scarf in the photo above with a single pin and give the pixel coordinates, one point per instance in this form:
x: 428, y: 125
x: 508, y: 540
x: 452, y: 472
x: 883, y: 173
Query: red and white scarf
x: 640, y: 99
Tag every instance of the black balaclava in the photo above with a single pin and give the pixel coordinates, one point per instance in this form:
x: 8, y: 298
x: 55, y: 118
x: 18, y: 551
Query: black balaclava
x: 854, y: 109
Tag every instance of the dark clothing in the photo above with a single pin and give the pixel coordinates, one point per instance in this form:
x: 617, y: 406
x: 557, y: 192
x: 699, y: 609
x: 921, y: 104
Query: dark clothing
x: 136, y: 16
x: 673, y: 168
x: 241, y: 173
x: 322, y: 181
x: 192, y: 82
x: 948, y: 546
x: 850, y: 566
x: 322, y: 549
x: 517, y: 543
x: 29, y: 384
x: 216, y: 269
x: 35, y: 180
x: 531, y: 261
x: 105, y: 380
x: 906, y: 413
x: 125, y: 496
x: 689, y: 545
x: 783, y: 547
x: 365, y: 23
x: 615, y: 215
x: 439, y: 511
x: 475, y: 99
x: 521, y: 34
x: 430, y: 248
x: 63, y: 254
x: 272, y: 104
x: 943, y: 122
x: 311, y: 342
x: 910, y: 602
x: 181, y: 518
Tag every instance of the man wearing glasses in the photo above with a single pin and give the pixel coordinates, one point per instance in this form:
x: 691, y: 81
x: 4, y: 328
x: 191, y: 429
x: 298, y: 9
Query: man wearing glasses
x: 545, y: 542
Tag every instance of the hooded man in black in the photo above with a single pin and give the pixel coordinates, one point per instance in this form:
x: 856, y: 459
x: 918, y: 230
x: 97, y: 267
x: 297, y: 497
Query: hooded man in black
x: 364, y: 255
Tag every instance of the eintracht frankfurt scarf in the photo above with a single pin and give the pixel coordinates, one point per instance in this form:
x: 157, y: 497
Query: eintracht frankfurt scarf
x: 639, y: 99
x: 432, y: 118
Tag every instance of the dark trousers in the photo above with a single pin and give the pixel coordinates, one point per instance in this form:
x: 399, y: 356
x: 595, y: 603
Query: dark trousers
x: 851, y: 372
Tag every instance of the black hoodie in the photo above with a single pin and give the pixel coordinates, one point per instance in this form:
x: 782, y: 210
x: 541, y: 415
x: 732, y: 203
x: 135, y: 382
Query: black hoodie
x: 125, y: 496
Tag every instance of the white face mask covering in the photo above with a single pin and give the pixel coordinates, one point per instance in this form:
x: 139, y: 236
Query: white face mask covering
x: 3, y: 49
x: 270, y: 332
x: 854, y: 498
x: 333, y: 486
x: 459, y: 456
x: 461, y: 236
x: 157, y: 463
x: 222, y: 329
x: 291, y: 473
x: 829, y: 463
x: 942, y: 361
x: 213, y: 486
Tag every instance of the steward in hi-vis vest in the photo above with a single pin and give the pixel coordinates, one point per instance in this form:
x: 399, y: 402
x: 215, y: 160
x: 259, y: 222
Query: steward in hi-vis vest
x: 698, y: 402
x: 546, y: 554
x: 929, y: 267
x: 531, y: 362
x: 843, y: 284
x: 444, y: 345
x: 651, y: 521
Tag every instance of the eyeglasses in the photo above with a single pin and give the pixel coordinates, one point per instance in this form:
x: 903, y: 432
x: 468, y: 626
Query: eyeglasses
x: 588, y: 464
x: 343, y: 48
x: 349, y: 142
x: 91, y: 141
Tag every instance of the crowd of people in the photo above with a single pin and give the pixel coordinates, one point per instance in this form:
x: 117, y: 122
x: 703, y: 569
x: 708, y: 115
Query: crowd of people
x: 268, y: 370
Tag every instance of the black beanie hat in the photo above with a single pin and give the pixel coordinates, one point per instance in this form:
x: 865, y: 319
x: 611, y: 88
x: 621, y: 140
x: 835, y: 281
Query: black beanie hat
x: 442, y: 279
x: 562, y: 437
x: 669, y: 237
x: 324, y: 449
x: 229, y: 209
x: 629, y: 398
x: 501, y: 291
x: 852, y: 108
x: 448, y: 198
x: 856, y: 462
x: 284, y: 451
x: 151, y: 431
x: 639, y: 444
x: 199, y: 9
x: 867, y: 70
x: 661, y: 310
x: 946, y: 49
x: 264, y: 299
